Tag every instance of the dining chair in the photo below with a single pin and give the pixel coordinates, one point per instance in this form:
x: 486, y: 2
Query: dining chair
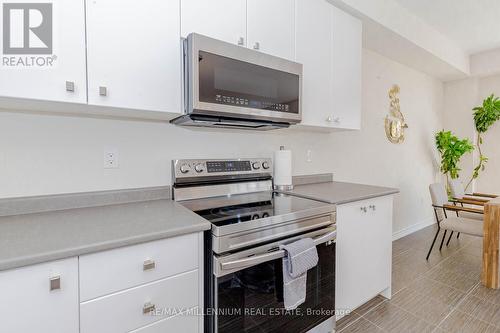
x: 448, y: 218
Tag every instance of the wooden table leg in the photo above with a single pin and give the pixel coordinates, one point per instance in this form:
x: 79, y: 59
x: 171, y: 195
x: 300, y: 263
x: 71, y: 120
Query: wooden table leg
x: 489, y: 273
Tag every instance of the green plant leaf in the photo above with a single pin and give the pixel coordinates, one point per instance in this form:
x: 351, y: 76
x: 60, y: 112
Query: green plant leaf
x: 451, y: 149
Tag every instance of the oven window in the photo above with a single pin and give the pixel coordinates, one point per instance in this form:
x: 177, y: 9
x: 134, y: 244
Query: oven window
x: 228, y: 81
x: 251, y: 300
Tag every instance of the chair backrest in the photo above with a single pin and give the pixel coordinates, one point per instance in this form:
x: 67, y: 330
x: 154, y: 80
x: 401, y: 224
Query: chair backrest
x: 457, y: 188
x: 438, y: 194
x: 439, y: 197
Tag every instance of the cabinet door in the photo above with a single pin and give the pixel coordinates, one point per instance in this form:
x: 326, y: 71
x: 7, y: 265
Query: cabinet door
x: 328, y: 44
x: 364, y: 251
x: 347, y: 49
x: 271, y: 27
x: 220, y: 19
x: 314, y: 49
x: 28, y: 303
x: 134, y: 54
x: 44, y: 76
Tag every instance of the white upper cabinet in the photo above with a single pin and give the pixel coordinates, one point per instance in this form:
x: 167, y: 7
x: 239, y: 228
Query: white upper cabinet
x: 33, y: 70
x: 314, y: 36
x: 221, y: 19
x: 263, y: 25
x: 347, y: 63
x: 271, y: 27
x: 134, y: 54
x: 328, y: 44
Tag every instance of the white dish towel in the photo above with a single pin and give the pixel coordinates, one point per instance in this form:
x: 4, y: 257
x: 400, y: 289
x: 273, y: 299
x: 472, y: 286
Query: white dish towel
x: 300, y: 256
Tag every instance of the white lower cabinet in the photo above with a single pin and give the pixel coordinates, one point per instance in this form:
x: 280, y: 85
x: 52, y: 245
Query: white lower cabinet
x: 364, y: 251
x: 107, y: 272
x: 40, y: 298
x: 143, y: 287
x: 131, y: 309
x: 177, y: 323
x: 151, y: 287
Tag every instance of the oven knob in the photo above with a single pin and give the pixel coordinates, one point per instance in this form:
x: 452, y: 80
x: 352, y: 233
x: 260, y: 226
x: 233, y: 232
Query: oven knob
x: 199, y: 168
x: 256, y: 165
x: 265, y: 165
x: 185, y: 168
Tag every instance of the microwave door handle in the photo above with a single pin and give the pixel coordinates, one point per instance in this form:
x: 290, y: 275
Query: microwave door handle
x: 259, y: 259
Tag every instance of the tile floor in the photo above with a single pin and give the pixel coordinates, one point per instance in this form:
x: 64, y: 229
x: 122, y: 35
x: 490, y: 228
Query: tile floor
x: 443, y: 294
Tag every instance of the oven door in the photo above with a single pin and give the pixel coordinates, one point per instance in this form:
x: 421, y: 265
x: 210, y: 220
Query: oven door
x: 248, y: 290
x: 235, y: 82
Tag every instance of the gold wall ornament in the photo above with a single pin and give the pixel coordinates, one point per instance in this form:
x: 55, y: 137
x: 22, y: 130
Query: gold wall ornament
x: 395, y: 121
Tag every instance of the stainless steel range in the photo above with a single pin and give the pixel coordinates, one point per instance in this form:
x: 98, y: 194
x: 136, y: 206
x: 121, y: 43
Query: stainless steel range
x: 244, y: 278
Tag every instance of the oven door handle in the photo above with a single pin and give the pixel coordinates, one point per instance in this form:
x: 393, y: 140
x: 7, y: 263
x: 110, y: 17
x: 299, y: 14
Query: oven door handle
x: 261, y: 258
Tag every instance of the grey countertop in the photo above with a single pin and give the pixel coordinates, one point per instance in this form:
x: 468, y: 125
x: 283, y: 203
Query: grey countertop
x: 32, y: 238
x: 339, y: 192
x: 40, y: 229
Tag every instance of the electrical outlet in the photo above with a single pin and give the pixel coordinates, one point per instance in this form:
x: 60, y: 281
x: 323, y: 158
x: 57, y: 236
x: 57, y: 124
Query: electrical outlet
x: 309, y: 155
x: 110, y: 159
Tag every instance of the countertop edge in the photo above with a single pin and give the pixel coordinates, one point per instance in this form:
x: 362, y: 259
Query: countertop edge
x: 19, y: 262
x: 348, y: 200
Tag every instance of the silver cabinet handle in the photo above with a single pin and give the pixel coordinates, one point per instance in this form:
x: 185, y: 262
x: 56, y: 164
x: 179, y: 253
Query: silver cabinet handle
x: 332, y: 119
x: 148, y: 308
x: 103, y: 91
x: 70, y: 86
x: 55, y: 283
x: 148, y: 265
x: 241, y: 41
x: 256, y: 46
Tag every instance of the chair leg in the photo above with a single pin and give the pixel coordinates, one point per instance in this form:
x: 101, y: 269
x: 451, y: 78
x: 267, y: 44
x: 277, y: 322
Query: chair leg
x: 449, y: 239
x: 442, y: 240
x: 432, y: 245
x: 458, y: 235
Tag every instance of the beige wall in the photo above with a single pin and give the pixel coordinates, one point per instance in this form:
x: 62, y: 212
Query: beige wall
x: 460, y: 97
x: 42, y: 154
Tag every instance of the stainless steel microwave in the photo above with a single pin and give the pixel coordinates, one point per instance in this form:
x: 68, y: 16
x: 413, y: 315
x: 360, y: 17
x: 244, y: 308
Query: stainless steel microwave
x: 232, y: 86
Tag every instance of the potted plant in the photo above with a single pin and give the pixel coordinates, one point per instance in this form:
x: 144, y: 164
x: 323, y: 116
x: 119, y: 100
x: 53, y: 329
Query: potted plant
x: 451, y: 149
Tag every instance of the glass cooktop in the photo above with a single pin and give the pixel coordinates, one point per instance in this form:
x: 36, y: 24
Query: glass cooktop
x: 244, y: 208
x: 240, y: 213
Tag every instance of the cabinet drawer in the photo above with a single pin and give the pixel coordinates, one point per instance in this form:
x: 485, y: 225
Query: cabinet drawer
x: 123, y: 311
x: 110, y: 271
x: 179, y: 323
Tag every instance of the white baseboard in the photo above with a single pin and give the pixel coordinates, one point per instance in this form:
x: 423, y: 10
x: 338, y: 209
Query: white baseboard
x: 413, y: 228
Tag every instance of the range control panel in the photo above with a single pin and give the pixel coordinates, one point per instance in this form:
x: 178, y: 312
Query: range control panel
x: 221, y: 167
x: 228, y: 166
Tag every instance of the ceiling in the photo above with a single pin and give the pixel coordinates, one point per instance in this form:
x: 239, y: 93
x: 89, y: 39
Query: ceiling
x: 474, y: 25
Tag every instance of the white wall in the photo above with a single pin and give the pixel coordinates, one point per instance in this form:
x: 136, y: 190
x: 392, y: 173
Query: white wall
x: 460, y: 97
x: 42, y: 154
